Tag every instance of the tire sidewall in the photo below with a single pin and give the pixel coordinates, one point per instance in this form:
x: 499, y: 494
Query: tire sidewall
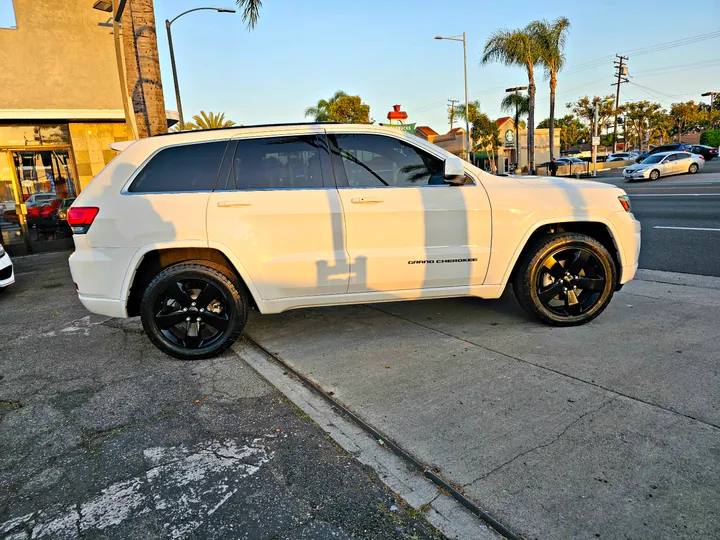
x: 533, y: 266
x: 232, y: 295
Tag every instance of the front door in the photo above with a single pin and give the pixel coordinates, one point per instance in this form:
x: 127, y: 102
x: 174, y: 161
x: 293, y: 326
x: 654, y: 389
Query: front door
x: 406, y: 228
x: 280, y: 215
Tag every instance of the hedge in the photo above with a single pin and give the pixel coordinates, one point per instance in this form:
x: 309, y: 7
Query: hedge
x: 711, y: 137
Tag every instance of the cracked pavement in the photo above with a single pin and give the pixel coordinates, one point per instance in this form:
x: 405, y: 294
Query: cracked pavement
x: 102, y: 436
x: 608, y: 430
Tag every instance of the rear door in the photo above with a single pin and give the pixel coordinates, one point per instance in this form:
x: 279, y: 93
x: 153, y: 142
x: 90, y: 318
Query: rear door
x: 280, y: 215
x: 406, y: 228
x: 682, y: 162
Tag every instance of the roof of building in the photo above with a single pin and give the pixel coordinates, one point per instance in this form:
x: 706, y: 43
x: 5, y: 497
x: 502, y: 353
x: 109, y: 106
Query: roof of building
x: 455, y: 130
x: 426, y: 130
x: 502, y: 120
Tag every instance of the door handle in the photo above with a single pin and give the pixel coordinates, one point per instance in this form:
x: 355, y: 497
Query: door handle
x: 365, y: 200
x: 229, y: 204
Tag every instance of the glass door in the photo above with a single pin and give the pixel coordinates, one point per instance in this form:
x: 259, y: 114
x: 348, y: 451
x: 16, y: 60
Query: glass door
x: 12, y: 223
x: 44, y: 188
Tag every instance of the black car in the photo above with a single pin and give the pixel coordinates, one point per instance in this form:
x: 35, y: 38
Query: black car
x: 708, y: 152
x: 677, y: 147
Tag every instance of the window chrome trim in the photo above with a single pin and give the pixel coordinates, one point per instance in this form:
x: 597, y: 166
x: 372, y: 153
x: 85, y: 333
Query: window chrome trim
x: 126, y: 186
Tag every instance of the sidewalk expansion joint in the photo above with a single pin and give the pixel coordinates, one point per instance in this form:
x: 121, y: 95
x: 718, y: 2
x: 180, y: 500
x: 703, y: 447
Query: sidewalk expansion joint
x: 540, y: 446
x: 545, y: 368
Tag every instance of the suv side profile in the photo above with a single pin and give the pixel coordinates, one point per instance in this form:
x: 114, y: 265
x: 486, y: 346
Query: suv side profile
x: 191, y: 230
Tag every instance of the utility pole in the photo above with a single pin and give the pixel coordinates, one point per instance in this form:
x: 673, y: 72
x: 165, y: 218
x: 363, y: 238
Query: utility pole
x: 621, y: 75
x: 452, y: 103
x: 712, y: 98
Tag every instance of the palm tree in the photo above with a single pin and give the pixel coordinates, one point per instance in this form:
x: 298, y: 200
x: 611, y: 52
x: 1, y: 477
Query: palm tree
x: 321, y: 111
x: 518, y: 105
x: 143, y: 67
x: 251, y: 10
x: 551, y: 38
x: 208, y: 121
x: 517, y: 48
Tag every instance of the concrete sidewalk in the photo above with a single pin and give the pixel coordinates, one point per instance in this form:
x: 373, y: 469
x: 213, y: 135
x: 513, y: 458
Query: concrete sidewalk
x: 610, y: 430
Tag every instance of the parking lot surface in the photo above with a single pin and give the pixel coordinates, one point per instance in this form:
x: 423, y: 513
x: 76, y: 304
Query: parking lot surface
x: 103, y: 436
x: 609, y: 430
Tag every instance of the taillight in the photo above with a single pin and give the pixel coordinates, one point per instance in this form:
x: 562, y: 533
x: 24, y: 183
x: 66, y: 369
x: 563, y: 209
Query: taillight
x: 81, y: 217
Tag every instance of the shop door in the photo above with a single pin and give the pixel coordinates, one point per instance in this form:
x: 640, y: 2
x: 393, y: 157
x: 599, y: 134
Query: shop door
x: 34, y: 210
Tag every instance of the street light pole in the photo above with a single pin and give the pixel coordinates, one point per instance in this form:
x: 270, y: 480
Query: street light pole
x: 172, y: 55
x: 466, y: 142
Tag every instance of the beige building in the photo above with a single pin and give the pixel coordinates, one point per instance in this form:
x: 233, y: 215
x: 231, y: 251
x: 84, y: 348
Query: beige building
x: 60, y: 108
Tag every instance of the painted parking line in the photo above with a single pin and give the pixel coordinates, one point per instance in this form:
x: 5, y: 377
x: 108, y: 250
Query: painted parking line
x: 685, y: 228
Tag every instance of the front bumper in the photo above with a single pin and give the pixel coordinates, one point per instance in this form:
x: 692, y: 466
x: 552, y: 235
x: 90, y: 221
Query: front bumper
x: 7, y: 274
x: 635, y: 175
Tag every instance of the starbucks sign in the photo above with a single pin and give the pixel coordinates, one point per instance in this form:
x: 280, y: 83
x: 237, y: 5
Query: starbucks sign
x: 510, y: 139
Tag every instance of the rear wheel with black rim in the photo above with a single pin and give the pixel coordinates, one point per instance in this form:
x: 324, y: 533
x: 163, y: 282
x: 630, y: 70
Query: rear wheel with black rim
x: 194, y: 310
x: 566, y: 279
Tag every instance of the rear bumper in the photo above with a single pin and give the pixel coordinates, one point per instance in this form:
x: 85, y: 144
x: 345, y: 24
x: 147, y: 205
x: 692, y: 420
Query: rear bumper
x: 104, y: 306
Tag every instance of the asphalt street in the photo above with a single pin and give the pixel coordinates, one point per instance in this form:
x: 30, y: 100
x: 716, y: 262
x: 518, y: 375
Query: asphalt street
x: 680, y: 218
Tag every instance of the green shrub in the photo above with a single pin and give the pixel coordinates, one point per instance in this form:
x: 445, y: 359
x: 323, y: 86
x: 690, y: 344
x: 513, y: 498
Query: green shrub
x: 711, y: 137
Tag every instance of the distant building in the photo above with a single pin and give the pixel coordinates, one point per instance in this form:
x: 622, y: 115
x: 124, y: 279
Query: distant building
x: 397, y: 119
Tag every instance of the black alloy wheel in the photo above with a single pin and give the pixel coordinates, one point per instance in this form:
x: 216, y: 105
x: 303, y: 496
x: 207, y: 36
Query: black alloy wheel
x: 565, y: 279
x: 570, y: 281
x: 194, y: 310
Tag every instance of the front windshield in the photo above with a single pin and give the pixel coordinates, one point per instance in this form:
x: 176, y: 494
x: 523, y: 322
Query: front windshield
x: 653, y: 159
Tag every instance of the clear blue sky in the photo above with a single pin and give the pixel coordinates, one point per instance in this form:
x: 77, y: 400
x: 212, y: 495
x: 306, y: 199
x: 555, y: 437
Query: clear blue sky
x: 384, y: 51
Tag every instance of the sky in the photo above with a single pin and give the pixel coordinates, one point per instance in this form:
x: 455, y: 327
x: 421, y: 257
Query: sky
x: 384, y: 51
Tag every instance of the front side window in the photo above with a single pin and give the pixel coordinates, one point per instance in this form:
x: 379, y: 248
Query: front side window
x: 189, y: 167
x: 292, y: 162
x: 378, y: 161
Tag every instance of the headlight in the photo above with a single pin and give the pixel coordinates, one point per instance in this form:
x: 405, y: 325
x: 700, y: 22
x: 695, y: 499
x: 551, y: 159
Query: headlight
x: 625, y: 202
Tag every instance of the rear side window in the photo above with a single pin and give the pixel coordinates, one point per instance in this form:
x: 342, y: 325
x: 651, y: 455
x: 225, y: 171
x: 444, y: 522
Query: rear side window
x: 189, y: 167
x: 293, y: 162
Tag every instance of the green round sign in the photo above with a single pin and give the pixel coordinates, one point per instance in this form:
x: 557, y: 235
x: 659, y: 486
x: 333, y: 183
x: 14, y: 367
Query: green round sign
x: 509, y: 135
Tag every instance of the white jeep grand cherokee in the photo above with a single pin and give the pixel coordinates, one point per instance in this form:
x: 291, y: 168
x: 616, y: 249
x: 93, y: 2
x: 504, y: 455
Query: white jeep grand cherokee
x: 190, y: 230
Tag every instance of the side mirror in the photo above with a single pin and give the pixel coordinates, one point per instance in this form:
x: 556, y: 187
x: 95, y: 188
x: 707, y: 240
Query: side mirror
x: 454, y: 171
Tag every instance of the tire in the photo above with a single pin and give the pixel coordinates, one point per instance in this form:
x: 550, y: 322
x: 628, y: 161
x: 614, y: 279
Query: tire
x: 540, y: 284
x: 654, y: 174
x: 693, y: 168
x: 179, y: 327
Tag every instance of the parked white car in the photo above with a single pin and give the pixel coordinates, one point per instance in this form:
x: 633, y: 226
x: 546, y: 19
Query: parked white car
x: 664, y: 164
x: 190, y: 230
x: 622, y: 156
x: 7, y: 276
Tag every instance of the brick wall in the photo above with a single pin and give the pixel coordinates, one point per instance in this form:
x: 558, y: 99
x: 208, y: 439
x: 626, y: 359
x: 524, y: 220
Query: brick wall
x: 91, y: 146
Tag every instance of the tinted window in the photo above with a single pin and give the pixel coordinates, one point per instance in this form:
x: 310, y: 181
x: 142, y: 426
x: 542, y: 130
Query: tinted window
x: 189, y: 167
x: 671, y: 157
x: 279, y: 162
x: 376, y: 161
x: 682, y: 156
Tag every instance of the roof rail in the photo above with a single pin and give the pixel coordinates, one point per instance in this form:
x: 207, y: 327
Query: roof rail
x: 248, y: 127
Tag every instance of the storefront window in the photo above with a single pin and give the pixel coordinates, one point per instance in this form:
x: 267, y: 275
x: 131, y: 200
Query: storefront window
x: 38, y: 135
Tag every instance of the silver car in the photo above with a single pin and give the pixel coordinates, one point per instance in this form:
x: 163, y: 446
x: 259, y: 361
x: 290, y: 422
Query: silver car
x: 664, y: 164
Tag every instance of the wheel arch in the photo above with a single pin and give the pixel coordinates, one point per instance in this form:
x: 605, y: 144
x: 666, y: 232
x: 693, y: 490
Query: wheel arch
x: 599, y: 230
x: 152, y: 260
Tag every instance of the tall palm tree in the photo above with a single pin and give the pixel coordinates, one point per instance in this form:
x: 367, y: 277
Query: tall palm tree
x: 208, y: 121
x: 143, y: 67
x: 517, y: 48
x: 551, y: 37
x: 321, y: 111
x: 518, y: 105
x: 251, y: 10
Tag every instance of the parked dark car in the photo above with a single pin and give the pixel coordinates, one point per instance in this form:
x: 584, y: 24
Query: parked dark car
x: 642, y: 156
x: 677, y: 147
x: 708, y: 152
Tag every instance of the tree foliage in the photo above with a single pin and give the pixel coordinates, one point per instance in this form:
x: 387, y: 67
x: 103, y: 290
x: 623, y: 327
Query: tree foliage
x: 572, y: 131
x: 208, y: 120
x: 250, y: 11
x: 341, y: 107
x: 711, y: 138
x: 642, y: 116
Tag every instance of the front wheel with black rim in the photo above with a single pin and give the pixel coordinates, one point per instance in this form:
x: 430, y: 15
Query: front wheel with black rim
x: 565, y: 279
x: 194, y: 310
